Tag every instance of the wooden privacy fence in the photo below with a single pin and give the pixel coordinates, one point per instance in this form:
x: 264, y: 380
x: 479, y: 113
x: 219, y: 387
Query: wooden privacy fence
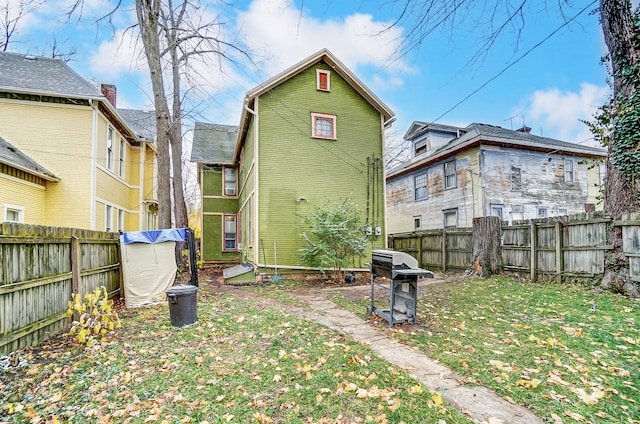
x: 40, y: 268
x: 573, y: 245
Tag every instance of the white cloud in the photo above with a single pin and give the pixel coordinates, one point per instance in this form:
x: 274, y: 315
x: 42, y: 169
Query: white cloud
x: 118, y: 56
x: 279, y: 31
x: 556, y: 113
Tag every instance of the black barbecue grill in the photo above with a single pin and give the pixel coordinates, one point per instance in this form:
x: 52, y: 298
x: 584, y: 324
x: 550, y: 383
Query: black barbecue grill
x: 403, y: 273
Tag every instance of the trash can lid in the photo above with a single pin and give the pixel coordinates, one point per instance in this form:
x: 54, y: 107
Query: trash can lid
x: 181, y: 290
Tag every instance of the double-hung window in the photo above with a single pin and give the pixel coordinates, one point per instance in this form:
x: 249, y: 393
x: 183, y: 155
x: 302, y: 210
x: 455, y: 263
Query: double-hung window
x: 121, y: 152
x: 568, y: 171
x: 230, y: 182
x: 230, y: 232
x: 420, y: 186
x: 450, y: 174
x: 108, y: 226
x: 110, y: 134
x: 323, y: 126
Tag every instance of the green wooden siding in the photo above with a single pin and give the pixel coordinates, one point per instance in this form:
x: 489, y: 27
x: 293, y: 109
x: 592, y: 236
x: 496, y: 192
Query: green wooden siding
x: 212, y: 224
x: 294, y: 165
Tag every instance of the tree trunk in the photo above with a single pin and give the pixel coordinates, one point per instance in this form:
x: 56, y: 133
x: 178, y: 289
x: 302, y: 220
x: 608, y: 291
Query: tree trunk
x: 148, y: 13
x: 487, y: 243
x: 618, y: 30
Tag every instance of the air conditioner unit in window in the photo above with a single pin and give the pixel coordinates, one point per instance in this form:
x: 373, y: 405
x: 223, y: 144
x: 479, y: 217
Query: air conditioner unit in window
x: 230, y: 191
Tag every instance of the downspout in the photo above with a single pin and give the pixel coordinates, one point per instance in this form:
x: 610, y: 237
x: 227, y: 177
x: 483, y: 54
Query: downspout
x: 142, y: 213
x: 256, y: 188
x: 386, y: 124
x: 482, y: 183
x: 94, y: 165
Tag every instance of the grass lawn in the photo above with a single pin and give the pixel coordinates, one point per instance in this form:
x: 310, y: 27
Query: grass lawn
x: 569, y: 353
x: 241, y: 362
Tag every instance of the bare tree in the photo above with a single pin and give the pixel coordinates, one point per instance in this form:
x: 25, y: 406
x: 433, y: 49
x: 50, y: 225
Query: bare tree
x: 12, y: 14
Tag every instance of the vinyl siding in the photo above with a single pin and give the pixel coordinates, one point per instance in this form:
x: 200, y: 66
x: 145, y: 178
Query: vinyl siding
x: 28, y: 196
x: 294, y: 165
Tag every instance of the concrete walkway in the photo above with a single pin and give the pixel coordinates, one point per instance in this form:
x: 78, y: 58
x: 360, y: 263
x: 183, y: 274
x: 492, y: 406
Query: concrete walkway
x: 477, y: 402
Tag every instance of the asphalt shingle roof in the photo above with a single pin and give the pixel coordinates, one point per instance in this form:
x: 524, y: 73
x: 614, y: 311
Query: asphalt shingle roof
x: 42, y: 75
x: 213, y: 143
x: 143, y: 123
x: 485, y: 131
x: 11, y: 155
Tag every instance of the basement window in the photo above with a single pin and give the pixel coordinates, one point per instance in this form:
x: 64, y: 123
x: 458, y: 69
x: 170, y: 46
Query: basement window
x: 450, y: 218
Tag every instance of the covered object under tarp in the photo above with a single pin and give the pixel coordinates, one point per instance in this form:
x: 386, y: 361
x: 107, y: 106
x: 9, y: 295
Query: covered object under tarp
x: 148, y: 264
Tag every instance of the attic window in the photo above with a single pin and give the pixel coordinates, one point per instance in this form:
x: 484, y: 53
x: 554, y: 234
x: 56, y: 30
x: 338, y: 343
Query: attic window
x: 420, y: 147
x: 323, y: 126
x: 323, y: 80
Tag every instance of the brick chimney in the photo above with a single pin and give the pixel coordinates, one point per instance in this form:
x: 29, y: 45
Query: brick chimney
x: 109, y: 91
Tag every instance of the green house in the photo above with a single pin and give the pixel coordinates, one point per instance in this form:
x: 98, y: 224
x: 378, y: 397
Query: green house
x: 310, y: 136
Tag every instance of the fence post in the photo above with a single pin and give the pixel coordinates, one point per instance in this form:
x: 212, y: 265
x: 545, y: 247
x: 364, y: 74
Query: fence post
x: 420, y: 251
x: 559, y: 251
x: 444, y: 250
x: 533, y: 237
x: 75, y: 264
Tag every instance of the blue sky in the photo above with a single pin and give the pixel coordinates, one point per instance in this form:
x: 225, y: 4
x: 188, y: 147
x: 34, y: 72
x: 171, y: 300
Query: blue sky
x: 550, y: 89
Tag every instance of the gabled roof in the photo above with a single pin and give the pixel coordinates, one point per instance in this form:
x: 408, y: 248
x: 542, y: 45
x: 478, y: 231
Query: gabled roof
x: 323, y: 55
x: 29, y: 74
x: 418, y: 127
x: 477, y: 134
x: 213, y: 143
x: 12, y: 156
x: 143, y: 123
x: 44, y: 76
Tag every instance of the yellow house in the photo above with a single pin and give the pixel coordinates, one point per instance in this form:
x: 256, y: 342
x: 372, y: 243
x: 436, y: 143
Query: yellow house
x: 93, y: 166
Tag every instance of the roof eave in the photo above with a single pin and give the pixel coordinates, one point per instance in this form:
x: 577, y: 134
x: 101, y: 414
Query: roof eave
x: 49, y: 177
x: 478, y: 140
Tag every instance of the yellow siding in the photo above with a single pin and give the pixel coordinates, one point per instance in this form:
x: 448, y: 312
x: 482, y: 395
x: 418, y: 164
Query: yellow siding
x: 25, y: 195
x: 59, y: 138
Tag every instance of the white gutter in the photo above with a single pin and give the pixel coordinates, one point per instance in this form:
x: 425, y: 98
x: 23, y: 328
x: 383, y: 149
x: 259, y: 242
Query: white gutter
x: 142, y: 213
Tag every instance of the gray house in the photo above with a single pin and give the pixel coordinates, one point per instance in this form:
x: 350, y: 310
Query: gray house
x: 456, y: 174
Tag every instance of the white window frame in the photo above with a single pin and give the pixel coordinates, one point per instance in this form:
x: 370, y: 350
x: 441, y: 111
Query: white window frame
x: 563, y: 211
x: 14, y: 209
x: 542, y: 212
x: 230, y: 191
x: 447, y: 213
x: 120, y: 220
x: 569, y: 174
x: 320, y: 72
x: 424, y: 193
x: 108, y: 218
x: 324, y: 117
x: 110, y: 135
x: 121, y: 157
x: 447, y: 184
x: 225, y: 232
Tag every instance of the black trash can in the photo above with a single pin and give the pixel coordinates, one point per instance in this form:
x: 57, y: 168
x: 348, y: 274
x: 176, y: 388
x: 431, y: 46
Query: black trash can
x: 182, y: 304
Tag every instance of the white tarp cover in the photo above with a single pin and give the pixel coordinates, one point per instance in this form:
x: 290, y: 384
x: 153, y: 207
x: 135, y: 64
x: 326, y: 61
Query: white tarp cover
x: 148, y: 264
